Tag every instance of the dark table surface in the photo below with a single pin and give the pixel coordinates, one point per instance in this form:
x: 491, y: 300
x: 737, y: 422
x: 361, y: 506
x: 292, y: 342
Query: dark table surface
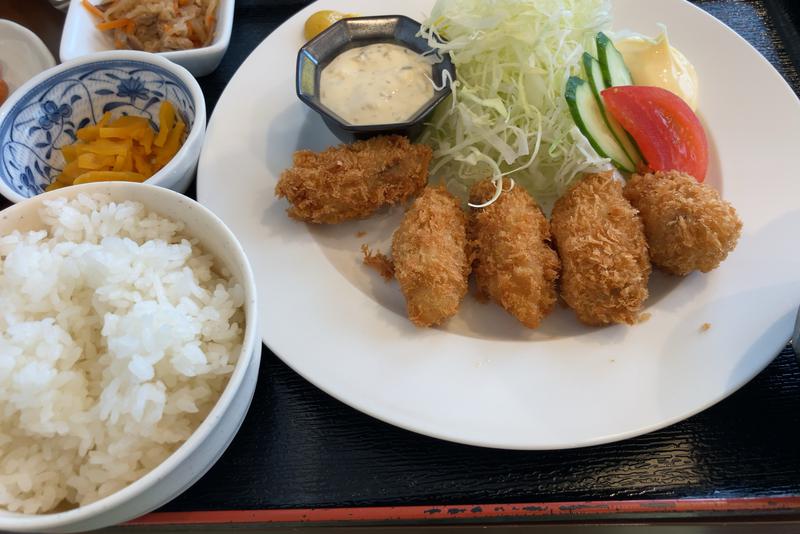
x: 299, y: 448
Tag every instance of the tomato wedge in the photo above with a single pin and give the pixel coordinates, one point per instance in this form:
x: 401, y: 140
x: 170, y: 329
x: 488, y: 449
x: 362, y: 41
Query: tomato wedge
x: 666, y: 129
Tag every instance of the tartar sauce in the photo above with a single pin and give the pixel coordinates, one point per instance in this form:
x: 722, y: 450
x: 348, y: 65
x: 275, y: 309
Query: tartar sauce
x: 381, y: 83
x: 656, y: 63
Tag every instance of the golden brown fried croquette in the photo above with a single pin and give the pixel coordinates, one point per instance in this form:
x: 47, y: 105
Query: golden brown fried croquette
x: 514, y: 265
x: 688, y: 225
x: 430, y: 257
x: 353, y: 181
x: 603, y: 251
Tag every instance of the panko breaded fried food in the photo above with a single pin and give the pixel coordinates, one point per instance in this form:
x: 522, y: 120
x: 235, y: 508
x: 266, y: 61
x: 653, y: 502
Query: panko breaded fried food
x: 601, y: 243
x: 515, y: 265
x: 430, y: 257
x: 688, y: 225
x: 353, y: 181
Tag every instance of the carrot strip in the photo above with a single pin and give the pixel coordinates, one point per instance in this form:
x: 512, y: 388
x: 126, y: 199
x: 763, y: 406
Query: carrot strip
x: 113, y: 24
x: 172, y: 145
x: 104, y: 119
x: 141, y: 165
x: 145, y: 137
x: 69, y: 152
x: 70, y: 172
x: 120, y: 132
x: 129, y: 120
x: 54, y: 185
x: 92, y: 9
x: 92, y: 162
x: 166, y: 120
x: 88, y: 133
x: 119, y: 165
x: 103, y: 147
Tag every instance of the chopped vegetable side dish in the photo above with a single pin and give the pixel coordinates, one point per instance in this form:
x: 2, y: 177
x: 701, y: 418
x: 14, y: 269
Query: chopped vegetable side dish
x: 157, y: 25
x: 124, y: 149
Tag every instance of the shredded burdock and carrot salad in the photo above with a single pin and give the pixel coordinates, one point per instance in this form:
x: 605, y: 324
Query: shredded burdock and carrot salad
x: 157, y: 25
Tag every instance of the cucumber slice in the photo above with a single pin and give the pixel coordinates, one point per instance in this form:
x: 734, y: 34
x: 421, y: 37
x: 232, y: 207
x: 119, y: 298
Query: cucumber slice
x: 589, y: 118
x: 615, y: 72
x: 594, y: 74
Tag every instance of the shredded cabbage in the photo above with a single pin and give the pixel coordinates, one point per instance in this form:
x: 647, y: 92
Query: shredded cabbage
x: 507, y: 115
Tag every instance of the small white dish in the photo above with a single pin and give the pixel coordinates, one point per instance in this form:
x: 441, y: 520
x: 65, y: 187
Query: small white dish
x: 22, y: 55
x: 209, y: 440
x: 44, y: 114
x: 80, y: 38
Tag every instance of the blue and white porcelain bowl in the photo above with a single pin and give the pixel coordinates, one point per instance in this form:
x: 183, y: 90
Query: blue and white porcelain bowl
x: 44, y: 114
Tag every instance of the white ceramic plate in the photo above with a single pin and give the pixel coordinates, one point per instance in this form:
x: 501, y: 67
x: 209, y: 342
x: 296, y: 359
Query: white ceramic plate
x: 483, y: 379
x: 22, y: 54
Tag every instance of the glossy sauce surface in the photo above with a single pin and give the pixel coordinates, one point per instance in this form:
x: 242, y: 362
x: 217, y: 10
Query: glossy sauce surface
x: 381, y: 83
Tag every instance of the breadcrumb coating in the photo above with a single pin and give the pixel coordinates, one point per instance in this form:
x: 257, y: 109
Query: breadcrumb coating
x: 514, y: 265
x: 353, y: 181
x: 378, y: 261
x: 431, y: 258
x: 688, y: 225
x: 601, y: 243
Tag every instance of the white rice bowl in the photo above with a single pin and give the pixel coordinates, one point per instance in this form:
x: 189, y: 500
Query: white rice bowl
x: 117, y: 337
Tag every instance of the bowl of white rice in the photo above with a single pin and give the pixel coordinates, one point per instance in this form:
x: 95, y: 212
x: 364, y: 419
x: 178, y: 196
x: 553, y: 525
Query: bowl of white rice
x: 128, y: 352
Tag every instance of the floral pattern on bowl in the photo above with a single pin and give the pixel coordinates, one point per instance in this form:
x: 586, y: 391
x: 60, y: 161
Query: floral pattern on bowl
x: 48, y: 116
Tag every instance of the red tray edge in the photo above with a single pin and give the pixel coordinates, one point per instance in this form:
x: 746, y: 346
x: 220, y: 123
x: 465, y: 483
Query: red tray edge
x: 476, y: 512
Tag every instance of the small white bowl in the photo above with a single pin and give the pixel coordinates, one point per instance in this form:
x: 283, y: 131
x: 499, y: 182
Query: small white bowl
x: 80, y: 37
x: 43, y: 115
x: 204, y: 447
x: 22, y: 54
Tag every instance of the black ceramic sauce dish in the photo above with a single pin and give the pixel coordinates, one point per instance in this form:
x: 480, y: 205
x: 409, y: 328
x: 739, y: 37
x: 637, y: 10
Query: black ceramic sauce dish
x: 362, y: 31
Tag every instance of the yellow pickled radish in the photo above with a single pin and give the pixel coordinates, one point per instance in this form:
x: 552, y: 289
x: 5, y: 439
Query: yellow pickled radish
x: 126, y: 148
x: 321, y: 20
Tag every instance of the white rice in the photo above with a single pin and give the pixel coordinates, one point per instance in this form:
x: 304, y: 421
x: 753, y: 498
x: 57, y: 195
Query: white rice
x: 116, y: 340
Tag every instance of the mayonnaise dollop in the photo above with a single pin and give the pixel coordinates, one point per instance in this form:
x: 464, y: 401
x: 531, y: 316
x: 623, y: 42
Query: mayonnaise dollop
x: 654, y: 62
